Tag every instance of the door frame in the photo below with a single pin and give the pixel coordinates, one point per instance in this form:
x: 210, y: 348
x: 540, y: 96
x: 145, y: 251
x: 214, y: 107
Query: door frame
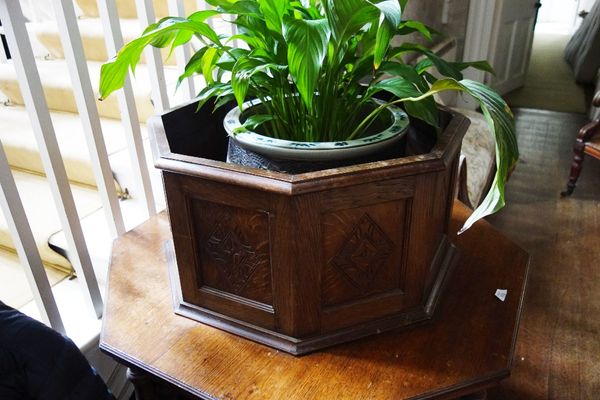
x: 480, y: 24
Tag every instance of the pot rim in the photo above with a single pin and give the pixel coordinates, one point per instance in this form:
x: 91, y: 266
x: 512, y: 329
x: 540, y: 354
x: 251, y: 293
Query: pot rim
x: 314, y: 150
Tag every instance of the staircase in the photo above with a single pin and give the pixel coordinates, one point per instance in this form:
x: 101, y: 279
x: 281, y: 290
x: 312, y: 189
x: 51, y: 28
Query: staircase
x: 20, y: 146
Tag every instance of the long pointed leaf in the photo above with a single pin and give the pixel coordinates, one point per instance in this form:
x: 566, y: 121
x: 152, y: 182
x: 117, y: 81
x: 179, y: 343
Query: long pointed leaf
x: 501, y: 122
x: 114, y: 72
x: 307, y: 46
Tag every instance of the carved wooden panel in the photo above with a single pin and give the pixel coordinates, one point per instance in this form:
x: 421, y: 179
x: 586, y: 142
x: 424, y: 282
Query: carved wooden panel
x: 364, y: 251
x: 232, y: 250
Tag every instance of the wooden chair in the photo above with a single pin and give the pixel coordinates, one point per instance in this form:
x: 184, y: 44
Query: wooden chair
x: 588, y: 142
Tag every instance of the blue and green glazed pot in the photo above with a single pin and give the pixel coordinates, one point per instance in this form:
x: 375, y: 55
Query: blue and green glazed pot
x: 259, y: 151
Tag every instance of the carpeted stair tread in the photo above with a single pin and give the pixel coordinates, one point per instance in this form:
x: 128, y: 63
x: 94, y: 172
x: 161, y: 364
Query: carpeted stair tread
x: 43, y: 218
x: 21, y: 148
x: 59, y: 94
x: 127, y: 7
x: 92, y: 35
x: 14, y: 287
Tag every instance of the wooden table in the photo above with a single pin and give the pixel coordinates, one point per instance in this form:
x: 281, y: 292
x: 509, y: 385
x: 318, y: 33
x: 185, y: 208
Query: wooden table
x: 467, y: 348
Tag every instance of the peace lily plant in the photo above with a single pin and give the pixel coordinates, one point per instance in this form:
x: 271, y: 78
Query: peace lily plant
x: 314, y: 64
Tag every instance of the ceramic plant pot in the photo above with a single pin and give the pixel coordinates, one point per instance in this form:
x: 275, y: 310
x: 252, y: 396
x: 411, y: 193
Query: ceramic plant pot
x: 260, y: 151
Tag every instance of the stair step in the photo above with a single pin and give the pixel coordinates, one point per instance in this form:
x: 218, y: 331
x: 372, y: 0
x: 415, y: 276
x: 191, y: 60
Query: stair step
x: 21, y: 148
x: 92, y: 36
x: 59, y: 95
x: 127, y: 8
x: 14, y: 287
x: 41, y: 213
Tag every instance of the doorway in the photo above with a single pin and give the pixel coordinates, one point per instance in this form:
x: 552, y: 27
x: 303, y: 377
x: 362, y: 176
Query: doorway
x: 561, y: 16
x: 549, y: 83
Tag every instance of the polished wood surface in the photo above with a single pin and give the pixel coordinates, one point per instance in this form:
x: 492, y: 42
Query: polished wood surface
x: 467, y: 348
x: 558, y: 350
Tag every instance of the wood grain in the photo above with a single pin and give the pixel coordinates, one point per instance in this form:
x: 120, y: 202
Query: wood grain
x: 467, y: 348
x: 340, y: 254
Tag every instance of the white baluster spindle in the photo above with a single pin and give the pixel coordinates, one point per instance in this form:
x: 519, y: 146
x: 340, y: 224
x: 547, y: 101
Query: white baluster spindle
x: 131, y: 123
x: 88, y: 111
x: 28, y: 253
x: 145, y: 11
x: 183, y: 53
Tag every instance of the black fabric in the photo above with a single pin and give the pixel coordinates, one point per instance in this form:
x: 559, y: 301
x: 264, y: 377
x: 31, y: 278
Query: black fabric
x: 37, y: 363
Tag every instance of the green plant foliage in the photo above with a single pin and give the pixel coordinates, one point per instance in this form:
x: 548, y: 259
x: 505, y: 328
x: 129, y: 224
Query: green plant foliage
x: 314, y: 64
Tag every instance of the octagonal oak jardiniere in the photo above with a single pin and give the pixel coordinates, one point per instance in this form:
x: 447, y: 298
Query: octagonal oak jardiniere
x: 304, y: 261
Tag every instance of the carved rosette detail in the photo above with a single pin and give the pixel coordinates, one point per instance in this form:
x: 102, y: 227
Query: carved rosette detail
x: 236, y: 258
x: 363, y: 253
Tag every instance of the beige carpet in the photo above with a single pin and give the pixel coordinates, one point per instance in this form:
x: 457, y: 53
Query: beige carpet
x: 43, y: 218
x: 14, y: 288
x: 550, y: 83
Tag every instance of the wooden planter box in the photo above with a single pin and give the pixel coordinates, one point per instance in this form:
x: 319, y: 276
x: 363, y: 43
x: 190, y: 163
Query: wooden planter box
x: 301, y: 262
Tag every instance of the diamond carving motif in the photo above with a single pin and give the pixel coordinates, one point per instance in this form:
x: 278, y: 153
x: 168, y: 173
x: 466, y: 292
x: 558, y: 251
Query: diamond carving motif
x: 363, y: 253
x: 236, y: 258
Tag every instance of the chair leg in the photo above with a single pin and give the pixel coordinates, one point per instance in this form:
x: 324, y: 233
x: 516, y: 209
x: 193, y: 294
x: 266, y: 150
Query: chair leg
x: 576, y: 165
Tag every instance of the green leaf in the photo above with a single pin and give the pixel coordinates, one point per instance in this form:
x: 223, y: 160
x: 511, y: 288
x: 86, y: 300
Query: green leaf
x: 208, y: 62
x: 480, y: 65
x: 388, y: 22
x: 425, y: 64
x: 398, y: 86
x: 208, y: 92
x: 425, y: 110
x: 405, y: 71
x: 244, y: 7
x: 444, y: 67
x: 273, y: 11
x: 403, y: 87
x: 225, y: 5
x: 257, y: 119
x: 382, y: 42
x: 224, y: 100
x: 114, y: 72
x: 229, y: 58
x: 501, y: 122
x: 252, y: 41
x: 390, y: 10
x: 243, y: 71
x: 182, y: 37
x: 193, y: 65
x: 347, y: 17
x: 202, y: 15
x: 410, y: 26
x: 307, y: 46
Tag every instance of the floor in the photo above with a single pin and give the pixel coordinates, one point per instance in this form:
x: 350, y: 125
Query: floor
x: 558, y: 348
x: 549, y: 84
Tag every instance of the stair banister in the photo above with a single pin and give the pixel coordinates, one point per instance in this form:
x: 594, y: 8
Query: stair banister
x: 145, y: 10
x: 88, y: 112
x: 29, y: 255
x: 43, y: 129
x: 113, y: 38
x: 182, y: 53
